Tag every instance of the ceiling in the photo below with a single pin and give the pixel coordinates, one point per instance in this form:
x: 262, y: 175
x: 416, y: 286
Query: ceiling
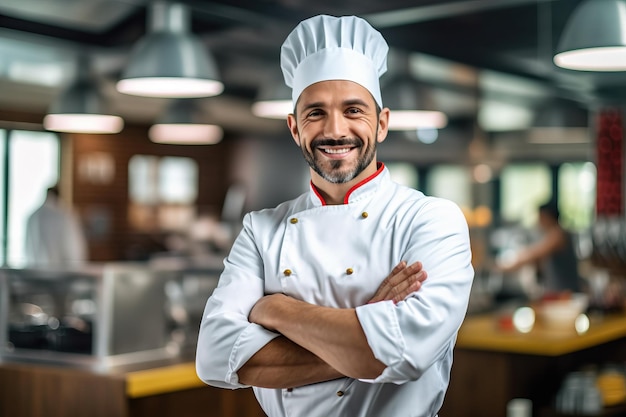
x: 471, y: 52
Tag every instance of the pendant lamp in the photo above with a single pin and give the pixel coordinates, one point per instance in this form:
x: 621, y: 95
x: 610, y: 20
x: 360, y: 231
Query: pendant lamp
x: 559, y: 121
x: 559, y: 113
x: 169, y: 61
x: 273, y: 100
x: 81, y: 109
x: 594, y: 38
x: 182, y: 124
x: 408, y: 100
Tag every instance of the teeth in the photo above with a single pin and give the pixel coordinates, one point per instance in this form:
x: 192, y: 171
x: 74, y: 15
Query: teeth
x: 344, y: 150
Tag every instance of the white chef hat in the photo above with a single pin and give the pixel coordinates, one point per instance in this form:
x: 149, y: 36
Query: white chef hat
x: 334, y: 48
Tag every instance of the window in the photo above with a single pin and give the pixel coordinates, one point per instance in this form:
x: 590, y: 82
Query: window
x: 453, y: 182
x: 3, y: 241
x: 142, y: 179
x: 524, y: 187
x: 33, y: 167
x: 403, y: 173
x: 577, y: 194
x: 178, y: 180
x: 163, y: 192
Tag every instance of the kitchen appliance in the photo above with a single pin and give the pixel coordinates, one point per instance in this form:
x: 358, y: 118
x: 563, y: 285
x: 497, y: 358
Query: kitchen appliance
x: 100, y: 315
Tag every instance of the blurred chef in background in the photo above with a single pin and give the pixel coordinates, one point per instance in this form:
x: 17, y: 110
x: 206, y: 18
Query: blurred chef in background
x: 553, y: 254
x: 54, y: 236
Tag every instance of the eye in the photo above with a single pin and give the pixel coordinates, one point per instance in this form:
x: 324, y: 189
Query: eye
x: 314, y: 113
x: 354, y: 110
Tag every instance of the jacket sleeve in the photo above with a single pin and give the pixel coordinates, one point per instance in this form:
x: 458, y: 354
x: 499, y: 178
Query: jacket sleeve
x: 227, y: 339
x: 414, y: 334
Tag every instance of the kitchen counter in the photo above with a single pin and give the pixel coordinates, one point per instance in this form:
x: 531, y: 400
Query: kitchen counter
x: 152, y: 389
x: 482, y: 333
x: 492, y: 365
x: 165, y: 379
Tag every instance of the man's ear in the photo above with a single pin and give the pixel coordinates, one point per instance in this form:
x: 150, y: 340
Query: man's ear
x: 293, y: 128
x: 383, y: 125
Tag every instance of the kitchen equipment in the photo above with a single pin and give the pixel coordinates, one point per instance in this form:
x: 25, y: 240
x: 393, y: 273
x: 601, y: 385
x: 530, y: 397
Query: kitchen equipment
x: 101, y: 315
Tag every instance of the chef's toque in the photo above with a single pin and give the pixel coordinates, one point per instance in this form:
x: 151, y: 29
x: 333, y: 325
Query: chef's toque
x: 325, y: 48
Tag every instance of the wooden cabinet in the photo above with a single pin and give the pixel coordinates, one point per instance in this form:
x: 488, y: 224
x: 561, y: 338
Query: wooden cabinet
x: 492, y: 367
x: 28, y: 390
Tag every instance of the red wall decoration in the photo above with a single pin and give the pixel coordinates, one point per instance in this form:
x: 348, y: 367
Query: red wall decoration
x: 609, y: 154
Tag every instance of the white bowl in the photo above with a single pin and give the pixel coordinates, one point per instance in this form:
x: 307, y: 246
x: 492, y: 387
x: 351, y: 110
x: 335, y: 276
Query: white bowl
x: 563, y: 313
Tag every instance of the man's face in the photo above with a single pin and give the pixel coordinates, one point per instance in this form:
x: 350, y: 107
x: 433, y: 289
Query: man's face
x: 337, y: 127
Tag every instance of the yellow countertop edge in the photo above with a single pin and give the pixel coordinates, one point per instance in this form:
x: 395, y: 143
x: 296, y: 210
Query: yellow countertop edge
x: 162, y: 380
x: 608, y: 330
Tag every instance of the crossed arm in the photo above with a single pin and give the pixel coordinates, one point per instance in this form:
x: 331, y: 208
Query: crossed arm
x: 319, y: 343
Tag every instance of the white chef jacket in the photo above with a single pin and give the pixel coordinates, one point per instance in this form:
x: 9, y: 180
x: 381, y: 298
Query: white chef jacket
x: 54, y: 237
x: 337, y: 256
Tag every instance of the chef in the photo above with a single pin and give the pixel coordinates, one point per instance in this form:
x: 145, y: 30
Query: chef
x: 323, y: 306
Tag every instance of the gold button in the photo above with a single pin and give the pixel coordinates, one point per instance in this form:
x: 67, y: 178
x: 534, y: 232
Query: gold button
x: 293, y: 220
x: 340, y: 393
x: 287, y: 272
x: 349, y: 271
x: 364, y: 214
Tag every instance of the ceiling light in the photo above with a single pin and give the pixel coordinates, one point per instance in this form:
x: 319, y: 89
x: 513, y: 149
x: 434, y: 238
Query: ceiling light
x: 594, y: 38
x: 406, y: 98
x: 182, y: 124
x: 273, y: 100
x: 559, y: 121
x: 169, y: 61
x: 409, y: 100
x: 500, y: 116
x: 80, y: 109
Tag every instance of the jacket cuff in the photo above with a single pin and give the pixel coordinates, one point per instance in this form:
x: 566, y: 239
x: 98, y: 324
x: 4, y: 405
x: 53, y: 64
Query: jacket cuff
x: 249, y: 342
x: 382, y: 330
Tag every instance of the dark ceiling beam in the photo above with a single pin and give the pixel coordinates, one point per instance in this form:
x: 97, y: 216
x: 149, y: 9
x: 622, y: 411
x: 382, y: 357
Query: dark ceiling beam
x: 419, y: 14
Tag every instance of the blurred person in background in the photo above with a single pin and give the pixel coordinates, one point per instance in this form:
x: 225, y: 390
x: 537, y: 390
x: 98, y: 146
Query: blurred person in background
x: 54, y: 236
x: 554, y: 254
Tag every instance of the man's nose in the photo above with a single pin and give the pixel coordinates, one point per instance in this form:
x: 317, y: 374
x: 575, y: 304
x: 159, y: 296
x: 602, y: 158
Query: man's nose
x: 336, y: 126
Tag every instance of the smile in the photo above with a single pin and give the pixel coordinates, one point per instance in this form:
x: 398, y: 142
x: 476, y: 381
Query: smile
x: 337, y: 151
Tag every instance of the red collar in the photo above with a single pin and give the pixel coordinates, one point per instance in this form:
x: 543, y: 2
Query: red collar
x: 346, y: 198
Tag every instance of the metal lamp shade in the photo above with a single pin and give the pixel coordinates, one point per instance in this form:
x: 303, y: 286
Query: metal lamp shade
x: 408, y: 102
x: 555, y: 114
x: 273, y: 100
x: 79, y: 109
x: 182, y: 124
x: 560, y: 122
x: 170, y: 61
x: 594, y: 38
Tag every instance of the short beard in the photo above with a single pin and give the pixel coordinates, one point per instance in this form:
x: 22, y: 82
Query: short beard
x: 334, y: 174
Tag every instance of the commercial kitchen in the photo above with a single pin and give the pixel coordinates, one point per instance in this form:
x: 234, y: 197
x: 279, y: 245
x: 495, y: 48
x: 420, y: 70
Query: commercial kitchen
x: 506, y: 119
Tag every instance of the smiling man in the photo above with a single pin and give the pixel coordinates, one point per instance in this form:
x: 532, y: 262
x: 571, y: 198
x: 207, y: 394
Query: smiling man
x: 323, y: 306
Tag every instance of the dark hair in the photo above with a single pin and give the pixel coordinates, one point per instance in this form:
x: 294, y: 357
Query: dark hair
x: 550, y: 208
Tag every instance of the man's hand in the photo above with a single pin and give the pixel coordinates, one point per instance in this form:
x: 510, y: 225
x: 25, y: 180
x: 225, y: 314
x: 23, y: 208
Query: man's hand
x: 402, y: 281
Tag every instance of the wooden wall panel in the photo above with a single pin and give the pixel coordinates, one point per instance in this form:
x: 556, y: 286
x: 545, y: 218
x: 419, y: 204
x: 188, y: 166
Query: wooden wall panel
x: 103, y: 207
x: 198, y: 402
